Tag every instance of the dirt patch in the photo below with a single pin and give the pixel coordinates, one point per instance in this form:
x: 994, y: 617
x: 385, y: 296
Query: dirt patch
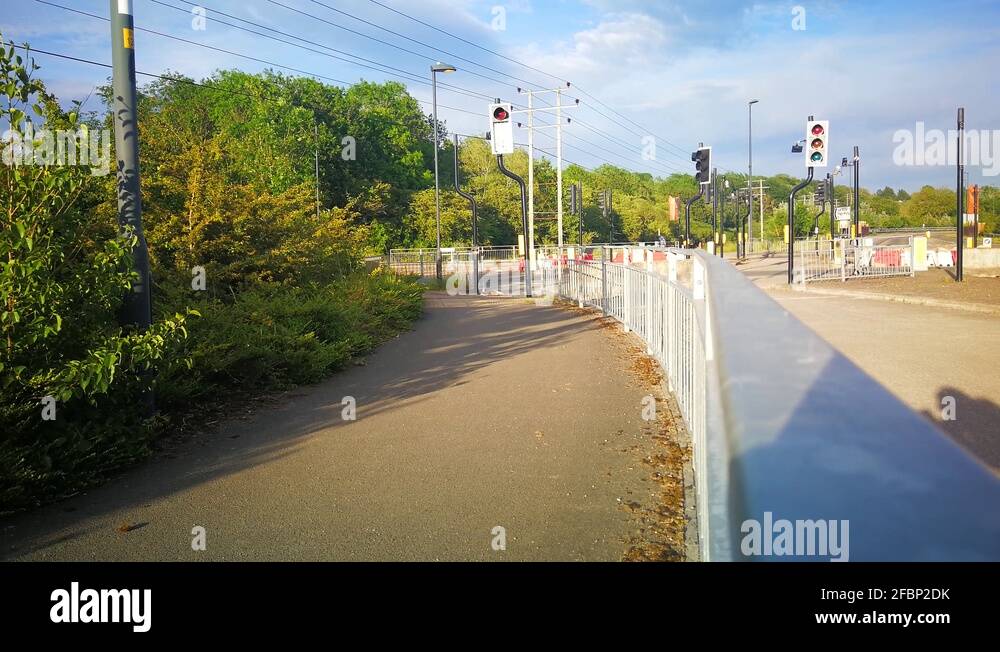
x: 657, y: 511
x: 935, y: 283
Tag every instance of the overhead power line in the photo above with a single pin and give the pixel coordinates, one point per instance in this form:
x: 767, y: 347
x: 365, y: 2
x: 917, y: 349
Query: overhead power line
x: 412, y: 40
x: 468, y: 42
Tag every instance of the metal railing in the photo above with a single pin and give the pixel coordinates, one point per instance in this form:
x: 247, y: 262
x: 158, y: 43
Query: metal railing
x: 824, y: 260
x: 785, y: 427
x: 766, y: 247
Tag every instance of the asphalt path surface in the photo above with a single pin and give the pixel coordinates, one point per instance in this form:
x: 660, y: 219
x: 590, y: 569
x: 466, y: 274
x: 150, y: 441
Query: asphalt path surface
x: 490, y: 413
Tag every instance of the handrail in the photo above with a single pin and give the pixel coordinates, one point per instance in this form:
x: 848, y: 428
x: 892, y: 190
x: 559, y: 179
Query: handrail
x: 809, y: 435
x: 784, y: 425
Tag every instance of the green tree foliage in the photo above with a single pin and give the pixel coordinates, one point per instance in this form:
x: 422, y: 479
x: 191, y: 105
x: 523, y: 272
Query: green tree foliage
x: 62, y: 280
x: 931, y: 207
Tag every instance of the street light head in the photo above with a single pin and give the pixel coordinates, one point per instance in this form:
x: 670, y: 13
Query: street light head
x: 753, y: 101
x: 443, y: 67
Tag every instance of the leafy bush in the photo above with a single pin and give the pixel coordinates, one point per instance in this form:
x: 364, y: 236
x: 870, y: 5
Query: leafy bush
x: 62, y: 280
x: 275, y: 337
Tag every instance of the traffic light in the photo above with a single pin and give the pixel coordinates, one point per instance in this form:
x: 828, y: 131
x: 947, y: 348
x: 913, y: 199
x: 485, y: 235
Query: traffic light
x: 501, y: 129
x: 604, y: 201
x: 702, y: 164
x: 820, y: 193
x: 817, y: 143
x: 572, y: 199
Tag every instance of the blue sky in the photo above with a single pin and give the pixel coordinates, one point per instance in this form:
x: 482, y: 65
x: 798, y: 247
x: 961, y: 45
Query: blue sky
x: 681, y: 71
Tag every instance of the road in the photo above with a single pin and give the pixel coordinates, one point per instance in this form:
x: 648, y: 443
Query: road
x: 492, y: 412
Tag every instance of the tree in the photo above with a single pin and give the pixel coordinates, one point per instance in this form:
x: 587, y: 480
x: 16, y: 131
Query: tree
x: 62, y: 279
x: 930, y: 206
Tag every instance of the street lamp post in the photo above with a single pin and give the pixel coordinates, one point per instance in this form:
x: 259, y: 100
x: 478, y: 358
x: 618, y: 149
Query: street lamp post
x: 435, y: 69
x: 750, y: 167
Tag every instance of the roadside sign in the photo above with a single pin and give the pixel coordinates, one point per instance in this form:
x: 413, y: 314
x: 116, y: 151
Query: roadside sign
x: 987, y: 243
x: 844, y: 213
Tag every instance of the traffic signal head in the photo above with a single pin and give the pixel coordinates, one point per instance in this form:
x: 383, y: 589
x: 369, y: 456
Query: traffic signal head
x: 702, y: 164
x: 501, y: 129
x: 817, y: 149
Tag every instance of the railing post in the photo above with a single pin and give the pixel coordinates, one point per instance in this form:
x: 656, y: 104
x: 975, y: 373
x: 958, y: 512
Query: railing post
x: 421, y: 255
x: 474, y: 254
x: 604, y: 281
x: 671, y: 320
x: 648, y: 302
x: 843, y: 261
x: 627, y: 295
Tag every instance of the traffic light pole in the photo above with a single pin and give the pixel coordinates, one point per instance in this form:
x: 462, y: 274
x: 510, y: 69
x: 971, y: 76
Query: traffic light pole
x: 722, y: 226
x: 857, y: 196
x: 137, y: 308
x: 791, y: 226
x: 822, y: 211
x: 687, y: 216
x: 960, y: 192
x: 469, y: 198
x: 524, y: 221
x: 715, y: 208
x: 833, y: 202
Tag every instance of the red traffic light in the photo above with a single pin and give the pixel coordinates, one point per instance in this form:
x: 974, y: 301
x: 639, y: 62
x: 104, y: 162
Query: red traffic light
x: 817, y: 130
x: 500, y: 113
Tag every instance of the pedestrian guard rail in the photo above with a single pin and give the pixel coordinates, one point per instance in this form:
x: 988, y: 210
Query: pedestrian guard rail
x: 784, y: 428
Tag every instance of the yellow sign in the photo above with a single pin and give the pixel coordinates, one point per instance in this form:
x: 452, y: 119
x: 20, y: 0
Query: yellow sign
x: 127, y: 39
x: 786, y: 234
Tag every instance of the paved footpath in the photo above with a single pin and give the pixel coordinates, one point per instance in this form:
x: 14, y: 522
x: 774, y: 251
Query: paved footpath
x: 491, y: 412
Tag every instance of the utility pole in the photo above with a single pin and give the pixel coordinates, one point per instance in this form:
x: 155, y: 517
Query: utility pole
x: 137, y: 309
x: 529, y: 236
x: 531, y: 110
x: 316, y: 143
x: 559, y: 177
x: 960, y: 191
x: 579, y: 207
